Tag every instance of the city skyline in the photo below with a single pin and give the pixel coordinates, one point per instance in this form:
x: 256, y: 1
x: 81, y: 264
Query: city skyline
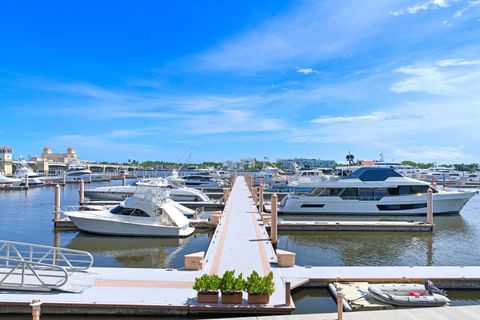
x: 226, y: 80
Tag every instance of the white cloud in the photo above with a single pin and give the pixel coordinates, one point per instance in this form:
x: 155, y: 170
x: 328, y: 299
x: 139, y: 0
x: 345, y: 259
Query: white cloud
x: 375, y: 116
x: 470, y: 5
x: 423, y: 6
x: 306, y: 70
x: 444, y: 77
x: 310, y: 32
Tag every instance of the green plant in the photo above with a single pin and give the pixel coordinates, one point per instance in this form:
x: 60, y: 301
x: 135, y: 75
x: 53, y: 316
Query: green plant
x: 207, y: 283
x: 229, y: 284
x: 257, y: 285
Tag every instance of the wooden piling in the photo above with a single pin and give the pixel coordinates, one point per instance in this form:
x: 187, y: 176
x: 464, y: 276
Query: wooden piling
x: 64, y: 178
x: 124, y: 180
x: 430, y: 206
x: 26, y: 181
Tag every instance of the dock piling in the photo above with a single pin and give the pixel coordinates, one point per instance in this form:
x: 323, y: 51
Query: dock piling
x: 430, y: 206
x: 64, y: 178
x: 57, y: 202
x: 260, y: 200
x: 274, y: 224
x: 124, y: 180
x: 36, y: 305
x: 26, y: 181
x: 81, y: 191
x: 339, y: 304
x: 288, y: 293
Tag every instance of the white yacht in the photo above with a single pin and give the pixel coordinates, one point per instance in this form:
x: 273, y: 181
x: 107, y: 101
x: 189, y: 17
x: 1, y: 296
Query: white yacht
x: 77, y: 169
x: 200, y: 181
x: 8, y: 181
x: 139, y: 215
x: 24, y: 171
x: 176, y: 192
x: 373, y: 191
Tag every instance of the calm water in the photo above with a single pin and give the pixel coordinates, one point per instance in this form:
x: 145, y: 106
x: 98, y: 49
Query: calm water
x: 27, y: 216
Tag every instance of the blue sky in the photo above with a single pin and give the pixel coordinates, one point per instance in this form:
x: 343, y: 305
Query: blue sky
x: 222, y: 80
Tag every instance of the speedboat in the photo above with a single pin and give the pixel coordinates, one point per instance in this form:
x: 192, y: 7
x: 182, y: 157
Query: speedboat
x: 373, y: 191
x: 139, y: 215
x: 407, y: 295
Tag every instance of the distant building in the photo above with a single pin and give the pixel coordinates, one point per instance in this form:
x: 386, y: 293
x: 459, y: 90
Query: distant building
x: 48, y: 155
x: 6, y: 160
x: 287, y: 163
x: 248, y: 163
x: 231, y: 165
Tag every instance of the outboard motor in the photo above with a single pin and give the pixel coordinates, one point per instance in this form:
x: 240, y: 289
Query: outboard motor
x: 430, y: 287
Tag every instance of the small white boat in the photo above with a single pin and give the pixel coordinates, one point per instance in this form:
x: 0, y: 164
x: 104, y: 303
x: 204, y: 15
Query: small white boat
x: 407, y: 295
x: 139, y: 215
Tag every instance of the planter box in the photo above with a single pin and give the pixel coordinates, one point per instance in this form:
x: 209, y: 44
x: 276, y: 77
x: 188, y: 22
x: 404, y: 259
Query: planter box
x: 235, y: 298
x: 258, y: 298
x: 207, y: 297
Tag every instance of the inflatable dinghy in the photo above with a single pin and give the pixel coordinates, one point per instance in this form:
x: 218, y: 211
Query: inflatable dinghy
x: 407, y: 295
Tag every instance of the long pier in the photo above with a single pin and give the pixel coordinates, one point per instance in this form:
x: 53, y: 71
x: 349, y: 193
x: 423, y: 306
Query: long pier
x: 241, y: 243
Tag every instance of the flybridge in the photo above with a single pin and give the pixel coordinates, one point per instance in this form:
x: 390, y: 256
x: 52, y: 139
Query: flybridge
x: 373, y: 174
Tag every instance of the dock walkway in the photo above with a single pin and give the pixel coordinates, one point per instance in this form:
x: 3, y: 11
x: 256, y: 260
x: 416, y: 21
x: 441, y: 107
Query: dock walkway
x: 239, y: 243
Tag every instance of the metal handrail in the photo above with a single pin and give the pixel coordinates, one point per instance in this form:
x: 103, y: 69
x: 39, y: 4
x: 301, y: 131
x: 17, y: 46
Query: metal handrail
x: 70, y: 259
x: 17, y: 274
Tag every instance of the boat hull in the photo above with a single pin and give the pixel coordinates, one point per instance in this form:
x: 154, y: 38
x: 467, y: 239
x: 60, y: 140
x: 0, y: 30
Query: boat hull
x: 121, y: 228
x: 443, y: 203
x: 399, y: 295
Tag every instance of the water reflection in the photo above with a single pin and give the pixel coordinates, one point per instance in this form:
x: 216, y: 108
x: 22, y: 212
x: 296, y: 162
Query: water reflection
x: 138, y: 251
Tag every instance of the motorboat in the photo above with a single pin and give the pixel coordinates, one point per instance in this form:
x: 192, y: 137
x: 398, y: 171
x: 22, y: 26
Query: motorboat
x: 200, y: 181
x: 8, y: 181
x: 139, y: 215
x: 144, y: 186
x: 77, y: 169
x: 373, y: 191
x: 24, y: 173
x: 407, y: 295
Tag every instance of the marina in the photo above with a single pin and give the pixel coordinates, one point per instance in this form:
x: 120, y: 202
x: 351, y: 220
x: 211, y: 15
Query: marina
x: 215, y: 246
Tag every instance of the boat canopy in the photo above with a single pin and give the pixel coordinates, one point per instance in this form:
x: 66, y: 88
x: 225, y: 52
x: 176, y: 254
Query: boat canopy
x: 175, y: 215
x: 373, y: 174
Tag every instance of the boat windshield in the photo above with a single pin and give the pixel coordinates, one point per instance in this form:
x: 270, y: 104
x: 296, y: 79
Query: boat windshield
x: 128, y: 212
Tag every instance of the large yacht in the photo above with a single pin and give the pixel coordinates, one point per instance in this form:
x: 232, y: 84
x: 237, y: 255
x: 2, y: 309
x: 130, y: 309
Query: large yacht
x: 24, y: 171
x: 373, y: 191
x: 136, y: 216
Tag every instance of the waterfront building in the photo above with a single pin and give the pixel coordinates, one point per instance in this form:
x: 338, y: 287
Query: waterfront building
x: 248, y: 163
x: 6, y: 162
x: 48, y: 155
x: 311, y: 163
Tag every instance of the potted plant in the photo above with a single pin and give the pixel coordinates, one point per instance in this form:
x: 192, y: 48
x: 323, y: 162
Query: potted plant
x: 232, y: 287
x: 259, y: 288
x: 207, y: 288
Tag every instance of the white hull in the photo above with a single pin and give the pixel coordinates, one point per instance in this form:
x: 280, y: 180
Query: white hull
x: 122, y: 192
x: 443, y: 203
x: 124, y: 228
